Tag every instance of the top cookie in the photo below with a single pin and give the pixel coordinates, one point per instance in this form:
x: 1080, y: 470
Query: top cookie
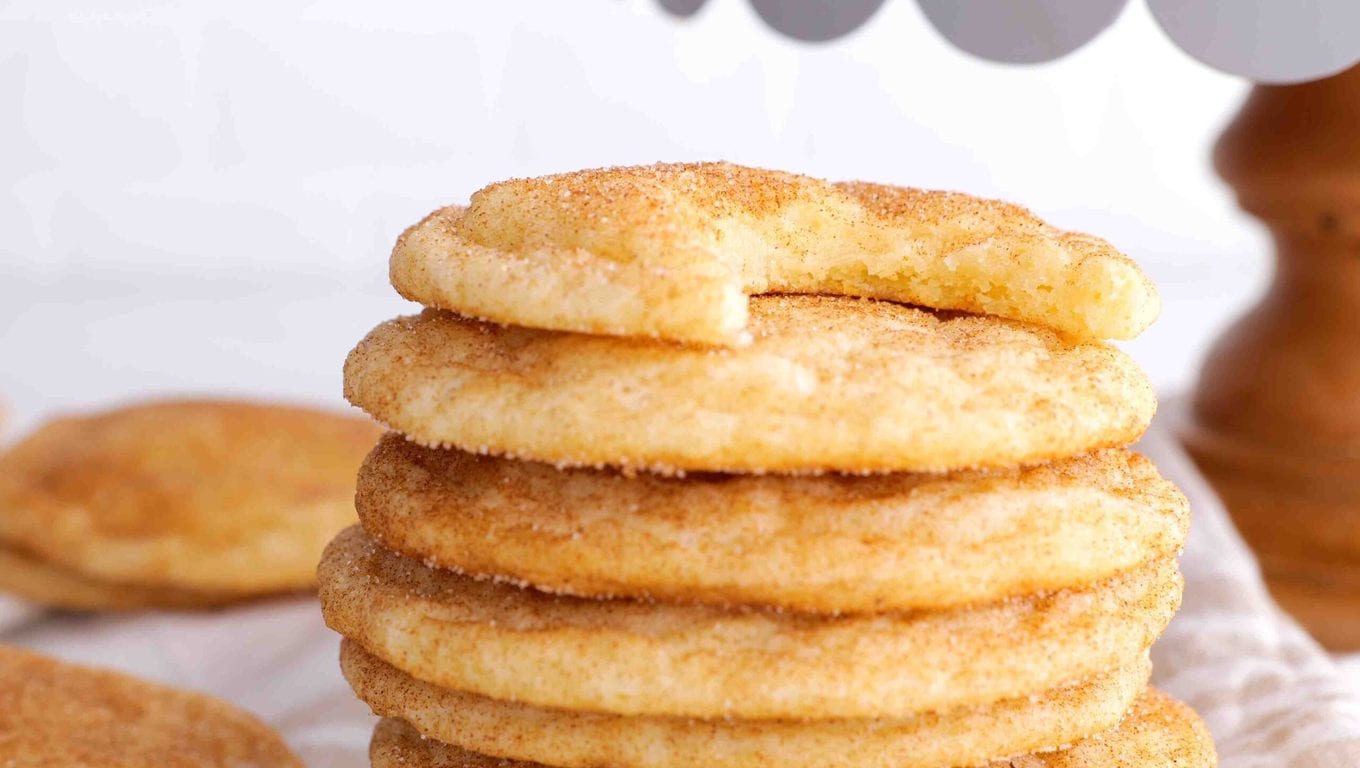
x: 55, y: 714
x: 673, y: 251
x: 209, y: 496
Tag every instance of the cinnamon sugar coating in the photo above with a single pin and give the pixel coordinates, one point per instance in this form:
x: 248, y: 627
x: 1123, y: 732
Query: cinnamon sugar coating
x: 45, y: 583
x: 957, y: 736
x: 634, y: 658
x: 57, y: 714
x: 673, y: 251
x: 825, y: 544
x: 829, y: 384
x: 1159, y: 732
x: 204, y: 496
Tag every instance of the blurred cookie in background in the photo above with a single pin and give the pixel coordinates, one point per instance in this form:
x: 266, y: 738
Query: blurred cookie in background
x: 186, y: 503
x: 35, y: 581
x: 52, y: 713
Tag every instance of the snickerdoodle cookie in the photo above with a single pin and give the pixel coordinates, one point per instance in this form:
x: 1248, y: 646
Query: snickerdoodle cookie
x: 57, y: 714
x: 45, y: 583
x: 825, y: 544
x: 828, y: 384
x: 674, y: 250
x: 1159, y: 732
x: 215, y: 498
x: 573, y: 739
x: 635, y: 658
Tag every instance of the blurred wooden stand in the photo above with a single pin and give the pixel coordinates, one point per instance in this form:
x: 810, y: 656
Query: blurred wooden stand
x: 1277, y: 413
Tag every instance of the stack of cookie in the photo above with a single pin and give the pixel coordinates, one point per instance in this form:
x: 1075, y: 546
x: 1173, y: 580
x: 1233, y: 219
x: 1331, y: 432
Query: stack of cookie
x: 876, y: 514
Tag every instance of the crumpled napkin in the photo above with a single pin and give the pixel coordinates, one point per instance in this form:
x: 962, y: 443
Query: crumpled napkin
x: 1271, y: 696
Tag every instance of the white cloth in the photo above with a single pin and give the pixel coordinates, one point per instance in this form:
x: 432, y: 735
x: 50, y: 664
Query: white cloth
x: 1271, y: 697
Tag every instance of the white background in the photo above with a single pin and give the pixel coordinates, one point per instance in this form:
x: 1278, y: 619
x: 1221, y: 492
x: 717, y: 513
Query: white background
x: 201, y: 197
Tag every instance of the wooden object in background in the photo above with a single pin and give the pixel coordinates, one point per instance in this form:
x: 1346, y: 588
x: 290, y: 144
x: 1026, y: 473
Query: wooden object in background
x: 1276, y: 423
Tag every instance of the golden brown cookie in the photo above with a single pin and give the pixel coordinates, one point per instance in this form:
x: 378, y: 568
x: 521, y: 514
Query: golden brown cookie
x: 1158, y: 733
x: 674, y: 250
x: 829, y: 384
x: 212, y: 497
x: 958, y: 736
x: 56, y: 714
x: 826, y: 544
x: 41, y: 582
x: 631, y: 657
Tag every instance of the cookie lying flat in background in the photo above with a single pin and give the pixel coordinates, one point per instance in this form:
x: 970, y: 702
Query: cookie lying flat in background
x: 52, y: 713
x: 176, y: 503
x: 40, y: 582
x: 673, y: 251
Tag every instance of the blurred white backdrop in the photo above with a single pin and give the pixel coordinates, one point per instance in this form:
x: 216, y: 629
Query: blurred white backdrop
x: 201, y: 197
